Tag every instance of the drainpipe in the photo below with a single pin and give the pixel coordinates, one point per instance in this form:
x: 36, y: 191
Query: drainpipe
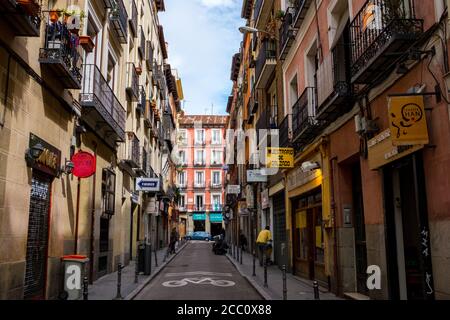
x: 91, y: 258
x: 333, y: 216
x: 77, y: 217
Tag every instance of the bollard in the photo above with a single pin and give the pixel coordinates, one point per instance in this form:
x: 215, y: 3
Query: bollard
x: 265, y: 272
x: 241, y: 256
x: 316, y: 290
x: 85, y: 288
x: 119, y: 282
x: 284, y: 283
x: 156, y: 258
x: 254, y: 265
x: 136, y: 265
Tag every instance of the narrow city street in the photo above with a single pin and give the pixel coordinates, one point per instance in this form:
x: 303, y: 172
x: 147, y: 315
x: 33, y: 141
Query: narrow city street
x: 198, y: 274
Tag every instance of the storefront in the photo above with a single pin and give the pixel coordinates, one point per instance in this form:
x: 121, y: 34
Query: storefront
x: 309, y: 222
x: 199, y: 220
x: 216, y: 223
x: 45, y: 161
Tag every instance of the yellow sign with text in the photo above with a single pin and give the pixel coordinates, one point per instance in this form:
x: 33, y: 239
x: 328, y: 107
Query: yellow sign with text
x: 407, y: 121
x: 280, y: 157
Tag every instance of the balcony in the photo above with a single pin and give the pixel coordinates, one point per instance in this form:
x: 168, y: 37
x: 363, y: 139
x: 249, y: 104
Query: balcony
x: 199, y: 163
x: 140, y: 108
x: 216, y: 163
x: 162, y: 42
x: 252, y: 106
x: 265, y: 122
x: 261, y: 13
x: 333, y: 77
x: 285, y: 133
x: 182, y: 185
x: 160, y: 5
x: 379, y: 33
x: 101, y: 110
x: 301, y: 8
x: 305, y: 126
x: 132, y: 156
x: 148, y: 115
x: 134, y: 18
x: 142, y: 170
x: 266, y: 63
x: 132, y: 87
x: 216, y: 185
x: 200, y: 184
x: 235, y: 65
x: 61, y: 56
x: 22, y: 16
x: 149, y: 56
x: 200, y: 143
x: 287, y: 33
x: 118, y: 17
x: 142, y: 43
x: 215, y: 207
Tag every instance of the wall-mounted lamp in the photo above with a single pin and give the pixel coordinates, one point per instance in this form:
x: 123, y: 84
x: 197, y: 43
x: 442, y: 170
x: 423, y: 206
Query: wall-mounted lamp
x: 67, y: 168
x: 310, y: 166
x: 34, y: 153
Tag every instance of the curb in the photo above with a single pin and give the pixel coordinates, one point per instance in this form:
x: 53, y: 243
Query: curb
x: 136, y: 291
x: 252, y: 282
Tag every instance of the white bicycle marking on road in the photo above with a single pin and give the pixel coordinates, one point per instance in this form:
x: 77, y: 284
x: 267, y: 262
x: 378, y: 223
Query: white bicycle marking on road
x: 200, y: 273
x: 185, y: 281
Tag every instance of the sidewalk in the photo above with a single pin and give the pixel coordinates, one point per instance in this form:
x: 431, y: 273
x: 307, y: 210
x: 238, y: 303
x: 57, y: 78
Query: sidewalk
x: 297, y: 289
x: 105, y: 288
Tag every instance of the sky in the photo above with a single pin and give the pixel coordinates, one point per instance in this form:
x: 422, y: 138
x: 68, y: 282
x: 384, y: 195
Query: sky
x: 202, y: 36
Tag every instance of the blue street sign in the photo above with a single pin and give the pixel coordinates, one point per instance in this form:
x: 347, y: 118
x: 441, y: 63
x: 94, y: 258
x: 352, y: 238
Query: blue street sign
x: 148, y: 184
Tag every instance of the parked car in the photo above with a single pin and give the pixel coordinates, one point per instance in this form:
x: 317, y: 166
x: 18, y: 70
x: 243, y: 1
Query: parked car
x: 199, y: 235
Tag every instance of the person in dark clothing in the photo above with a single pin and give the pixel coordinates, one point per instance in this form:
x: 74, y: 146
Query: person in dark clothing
x: 243, y: 241
x: 173, y: 240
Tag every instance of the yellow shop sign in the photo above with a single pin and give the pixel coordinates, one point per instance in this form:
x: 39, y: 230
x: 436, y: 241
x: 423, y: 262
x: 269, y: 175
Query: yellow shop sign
x: 280, y: 157
x: 407, y: 121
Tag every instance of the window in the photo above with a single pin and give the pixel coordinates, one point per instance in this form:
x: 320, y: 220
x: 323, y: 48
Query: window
x: 182, y: 201
x: 216, y: 202
x: 199, y: 136
x: 216, y: 137
x: 108, y: 191
x: 200, y: 157
x: 199, y: 178
x: 182, y: 178
x: 216, y: 157
x: 182, y: 157
x: 216, y: 178
x: 199, y: 202
x: 182, y: 137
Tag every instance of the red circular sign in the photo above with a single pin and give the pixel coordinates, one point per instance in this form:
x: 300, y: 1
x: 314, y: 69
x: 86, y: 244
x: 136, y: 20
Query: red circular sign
x: 84, y: 164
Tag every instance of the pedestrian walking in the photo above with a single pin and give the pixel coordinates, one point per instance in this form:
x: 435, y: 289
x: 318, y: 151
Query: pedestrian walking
x: 264, y: 245
x: 173, y: 240
x: 243, y: 241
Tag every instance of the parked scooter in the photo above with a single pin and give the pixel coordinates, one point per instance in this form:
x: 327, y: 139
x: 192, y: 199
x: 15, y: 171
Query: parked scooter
x: 219, y: 246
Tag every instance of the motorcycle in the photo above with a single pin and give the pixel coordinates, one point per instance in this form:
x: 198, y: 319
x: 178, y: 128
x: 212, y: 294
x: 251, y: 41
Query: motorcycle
x: 219, y: 246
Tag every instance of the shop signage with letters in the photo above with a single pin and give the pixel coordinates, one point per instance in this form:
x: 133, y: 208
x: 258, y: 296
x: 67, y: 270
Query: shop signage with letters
x: 49, y: 160
x: 199, y: 216
x: 215, y: 217
x: 233, y: 189
x: 256, y: 176
x: 280, y: 157
x: 382, y: 151
x: 407, y: 121
x: 84, y: 164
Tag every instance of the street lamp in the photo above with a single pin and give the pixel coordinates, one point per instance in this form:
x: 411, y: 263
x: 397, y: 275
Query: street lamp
x: 247, y: 29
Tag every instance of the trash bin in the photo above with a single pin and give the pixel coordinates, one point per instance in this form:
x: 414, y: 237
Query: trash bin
x: 75, y: 269
x: 141, y: 257
x: 145, y: 258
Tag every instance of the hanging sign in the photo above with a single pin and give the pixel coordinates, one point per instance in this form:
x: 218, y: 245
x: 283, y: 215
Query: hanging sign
x: 280, y: 157
x: 407, y: 120
x: 84, y: 164
x: 49, y: 159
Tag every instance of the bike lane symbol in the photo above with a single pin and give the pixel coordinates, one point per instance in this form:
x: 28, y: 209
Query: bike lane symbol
x: 208, y: 281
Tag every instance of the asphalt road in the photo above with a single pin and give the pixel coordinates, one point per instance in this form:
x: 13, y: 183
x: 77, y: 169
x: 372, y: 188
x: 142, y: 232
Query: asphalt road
x: 196, y: 273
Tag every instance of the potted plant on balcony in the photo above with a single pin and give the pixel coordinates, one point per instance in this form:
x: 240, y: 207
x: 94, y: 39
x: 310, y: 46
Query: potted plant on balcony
x: 138, y: 69
x: 87, y: 43
x: 279, y: 15
x: 54, y: 15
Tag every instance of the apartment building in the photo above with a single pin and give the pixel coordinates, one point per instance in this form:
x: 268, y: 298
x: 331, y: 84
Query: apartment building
x: 363, y: 191
x: 79, y: 77
x: 200, y: 177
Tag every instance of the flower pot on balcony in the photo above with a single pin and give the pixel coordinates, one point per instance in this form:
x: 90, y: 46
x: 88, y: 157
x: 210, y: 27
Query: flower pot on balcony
x: 54, y: 15
x: 31, y: 7
x: 87, y: 43
x: 139, y: 70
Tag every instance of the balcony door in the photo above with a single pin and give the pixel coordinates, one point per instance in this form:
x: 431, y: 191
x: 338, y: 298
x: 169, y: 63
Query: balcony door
x: 199, y: 202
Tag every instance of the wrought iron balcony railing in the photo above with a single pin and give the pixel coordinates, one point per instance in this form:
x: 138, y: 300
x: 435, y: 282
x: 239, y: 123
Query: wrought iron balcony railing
x: 132, y: 150
x: 96, y: 93
x: 142, y: 43
x: 134, y: 18
x: 304, y: 122
x: 148, y: 114
x: 266, y: 62
x: 285, y: 132
x: 257, y: 9
x: 142, y: 100
x: 119, y: 19
x: 381, y: 27
x: 23, y: 16
x: 62, y: 54
x: 287, y: 33
x: 216, y: 185
x: 132, y: 82
x: 333, y: 79
x: 199, y: 184
x: 149, y: 56
x: 301, y: 8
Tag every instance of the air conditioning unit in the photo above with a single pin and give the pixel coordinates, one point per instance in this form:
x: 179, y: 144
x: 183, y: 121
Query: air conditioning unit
x: 363, y: 125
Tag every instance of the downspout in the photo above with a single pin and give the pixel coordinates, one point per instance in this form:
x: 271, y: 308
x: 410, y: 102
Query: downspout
x: 333, y: 216
x: 91, y: 258
x: 77, y: 217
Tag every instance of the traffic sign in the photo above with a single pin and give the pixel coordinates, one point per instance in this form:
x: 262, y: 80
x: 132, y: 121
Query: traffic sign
x: 148, y: 184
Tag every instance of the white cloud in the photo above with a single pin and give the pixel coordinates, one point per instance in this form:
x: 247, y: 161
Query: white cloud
x: 203, y: 35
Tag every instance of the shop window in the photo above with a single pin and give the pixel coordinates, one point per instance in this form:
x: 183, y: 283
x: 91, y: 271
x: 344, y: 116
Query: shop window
x: 319, y: 252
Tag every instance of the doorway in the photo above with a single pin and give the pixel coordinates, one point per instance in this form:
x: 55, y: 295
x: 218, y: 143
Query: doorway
x: 38, y: 232
x: 216, y: 229
x: 408, y: 246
